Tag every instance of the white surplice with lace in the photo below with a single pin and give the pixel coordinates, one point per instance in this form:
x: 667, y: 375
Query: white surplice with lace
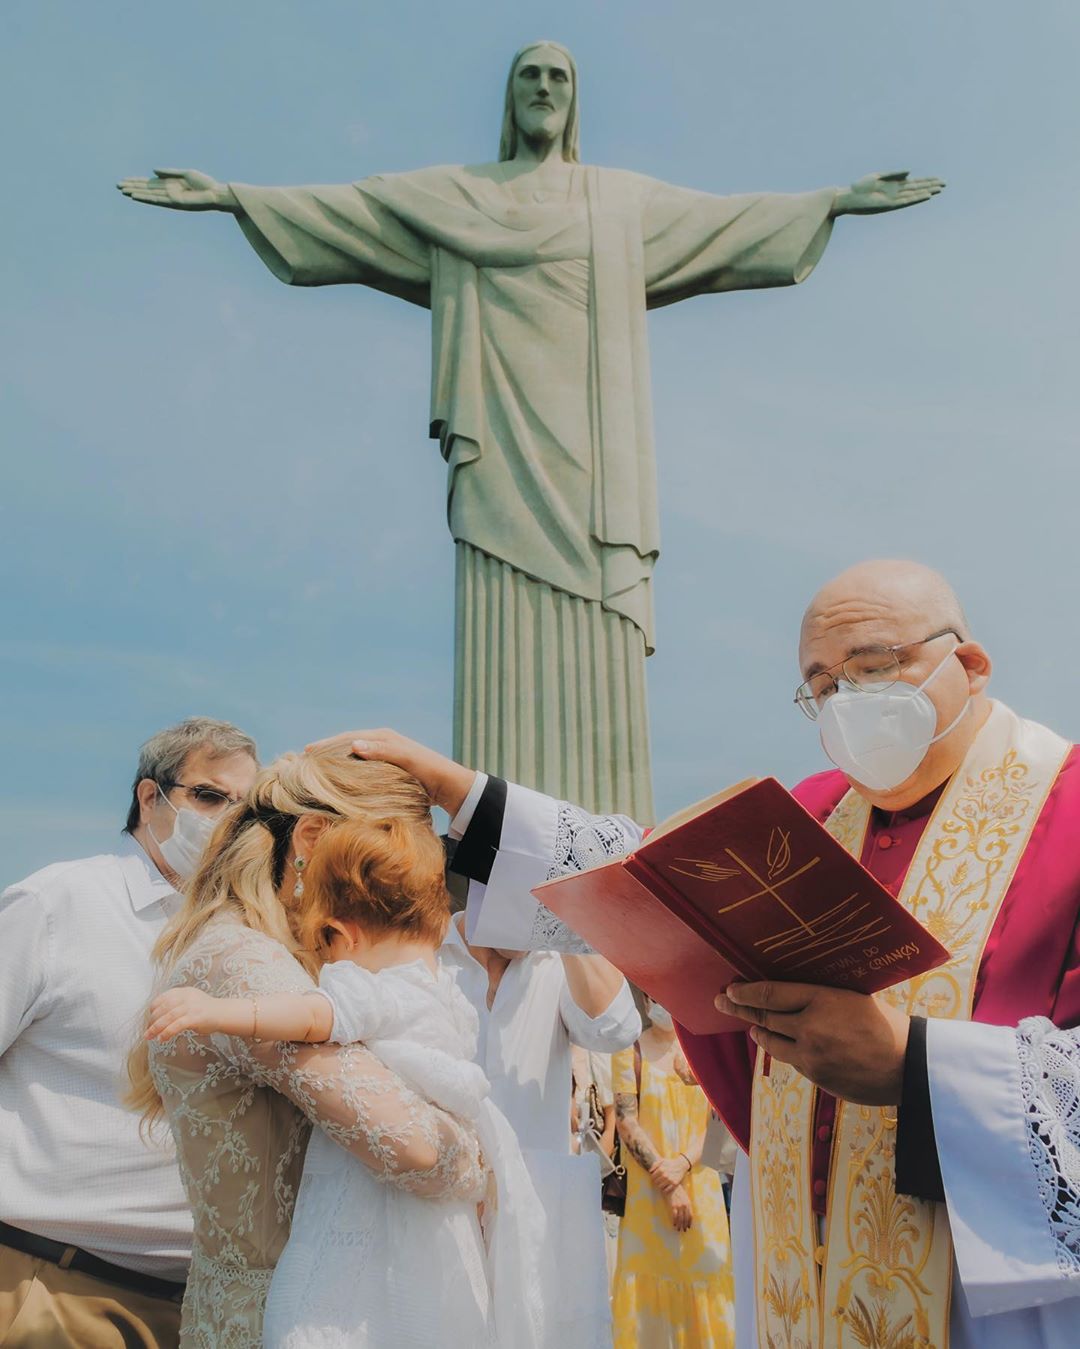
x: 367, y: 1266
x: 240, y: 1115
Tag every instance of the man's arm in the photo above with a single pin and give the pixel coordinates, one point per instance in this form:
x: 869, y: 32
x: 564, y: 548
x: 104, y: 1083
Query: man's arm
x: 24, y: 961
x: 594, y: 983
x: 617, y: 1024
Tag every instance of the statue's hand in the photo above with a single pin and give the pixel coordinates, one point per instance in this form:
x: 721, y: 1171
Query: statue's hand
x: 180, y: 189
x: 885, y: 192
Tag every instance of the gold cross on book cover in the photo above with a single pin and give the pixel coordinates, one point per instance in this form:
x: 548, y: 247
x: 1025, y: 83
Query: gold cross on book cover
x: 744, y: 885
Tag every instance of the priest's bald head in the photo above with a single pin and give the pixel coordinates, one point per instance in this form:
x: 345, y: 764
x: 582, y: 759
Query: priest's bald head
x: 871, y: 638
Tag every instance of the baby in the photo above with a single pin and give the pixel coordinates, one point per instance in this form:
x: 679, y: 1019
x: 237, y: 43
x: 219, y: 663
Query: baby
x: 366, y: 1264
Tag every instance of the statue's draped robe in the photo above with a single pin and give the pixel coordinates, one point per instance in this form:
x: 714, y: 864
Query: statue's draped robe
x: 540, y: 401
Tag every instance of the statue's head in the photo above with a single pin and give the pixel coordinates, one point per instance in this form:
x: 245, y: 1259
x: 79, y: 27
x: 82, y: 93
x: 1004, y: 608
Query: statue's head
x: 541, y: 99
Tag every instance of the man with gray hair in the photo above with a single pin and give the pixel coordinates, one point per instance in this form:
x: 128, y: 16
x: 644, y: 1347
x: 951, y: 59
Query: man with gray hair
x: 95, y: 1230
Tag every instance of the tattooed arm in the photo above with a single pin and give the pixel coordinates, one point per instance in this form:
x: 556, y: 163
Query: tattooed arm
x: 644, y: 1151
x: 632, y: 1136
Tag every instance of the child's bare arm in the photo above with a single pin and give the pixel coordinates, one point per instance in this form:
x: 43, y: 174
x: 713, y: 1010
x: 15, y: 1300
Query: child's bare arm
x: 275, y: 1016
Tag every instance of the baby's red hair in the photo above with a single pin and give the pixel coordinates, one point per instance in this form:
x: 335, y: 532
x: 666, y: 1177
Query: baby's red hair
x: 388, y: 876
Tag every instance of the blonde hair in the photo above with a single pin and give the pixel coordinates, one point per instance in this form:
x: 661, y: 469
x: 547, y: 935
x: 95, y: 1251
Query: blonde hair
x: 388, y: 876
x: 508, y: 140
x: 243, y: 870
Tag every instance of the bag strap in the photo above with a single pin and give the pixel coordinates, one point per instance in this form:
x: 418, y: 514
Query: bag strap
x: 637, y: 1068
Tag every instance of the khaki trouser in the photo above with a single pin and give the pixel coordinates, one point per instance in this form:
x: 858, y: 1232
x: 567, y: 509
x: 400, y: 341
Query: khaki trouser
x: 45, y: 1307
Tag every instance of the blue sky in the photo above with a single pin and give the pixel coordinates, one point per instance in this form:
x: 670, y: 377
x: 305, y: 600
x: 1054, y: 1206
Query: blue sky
x: 217, y: 493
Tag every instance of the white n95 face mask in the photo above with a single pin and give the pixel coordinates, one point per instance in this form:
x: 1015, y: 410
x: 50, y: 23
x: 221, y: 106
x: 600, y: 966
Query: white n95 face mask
x: 182, y: 851
x: 879, y: 737
x: 660, y: 1017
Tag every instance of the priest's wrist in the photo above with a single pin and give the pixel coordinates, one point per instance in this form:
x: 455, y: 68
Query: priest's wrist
x: 449, y: 785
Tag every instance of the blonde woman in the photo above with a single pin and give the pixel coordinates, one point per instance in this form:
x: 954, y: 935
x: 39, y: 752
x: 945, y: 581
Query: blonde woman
x: 240, y: 1109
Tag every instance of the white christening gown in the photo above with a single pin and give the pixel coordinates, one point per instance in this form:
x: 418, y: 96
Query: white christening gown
x: 371, y: 1267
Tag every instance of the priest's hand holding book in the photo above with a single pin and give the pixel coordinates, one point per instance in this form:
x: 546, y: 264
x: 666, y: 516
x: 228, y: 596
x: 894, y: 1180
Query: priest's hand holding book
x: 851, y: 1044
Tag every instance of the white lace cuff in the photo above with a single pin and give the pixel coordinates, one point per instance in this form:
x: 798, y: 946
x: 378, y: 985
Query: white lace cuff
x: 541, y: 839
x: 1004, y: 1236
x: 1050, y: 1082
x: 581, y: 841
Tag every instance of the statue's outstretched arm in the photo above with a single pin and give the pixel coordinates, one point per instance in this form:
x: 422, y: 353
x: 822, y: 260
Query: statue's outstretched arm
x: 885, y: 192
x: 181, y: 190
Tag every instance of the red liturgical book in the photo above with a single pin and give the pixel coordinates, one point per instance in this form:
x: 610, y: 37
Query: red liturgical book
x: 745, y: 885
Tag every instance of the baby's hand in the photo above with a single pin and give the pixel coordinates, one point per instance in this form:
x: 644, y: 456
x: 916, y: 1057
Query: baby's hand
x: 181, y: 1009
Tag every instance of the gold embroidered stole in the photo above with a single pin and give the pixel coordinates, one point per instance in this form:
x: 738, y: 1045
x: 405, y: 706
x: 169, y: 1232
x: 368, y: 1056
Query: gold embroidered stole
x: 880, y: 1274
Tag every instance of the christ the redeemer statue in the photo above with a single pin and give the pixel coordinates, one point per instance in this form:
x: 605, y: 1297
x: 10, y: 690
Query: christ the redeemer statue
x: 538, y: 271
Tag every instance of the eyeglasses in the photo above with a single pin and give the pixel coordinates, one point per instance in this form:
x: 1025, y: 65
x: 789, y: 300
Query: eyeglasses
x: 871, y: 668
x: 207, y: 798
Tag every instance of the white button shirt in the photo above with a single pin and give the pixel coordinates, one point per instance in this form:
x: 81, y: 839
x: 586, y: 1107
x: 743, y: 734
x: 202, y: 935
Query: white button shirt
x: 75, y: 978
x: 525, y: 1038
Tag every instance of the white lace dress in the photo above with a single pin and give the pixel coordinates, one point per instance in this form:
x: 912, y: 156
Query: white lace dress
x: 240, y: 1114
x: 368, y: 1267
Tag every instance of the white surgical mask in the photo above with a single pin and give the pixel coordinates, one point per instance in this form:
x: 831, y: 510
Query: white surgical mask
x: 182, y: 851
x: 879, y: 737
x: 660, y: 1017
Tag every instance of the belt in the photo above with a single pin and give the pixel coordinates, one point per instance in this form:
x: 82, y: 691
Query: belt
x: 71, y: 1257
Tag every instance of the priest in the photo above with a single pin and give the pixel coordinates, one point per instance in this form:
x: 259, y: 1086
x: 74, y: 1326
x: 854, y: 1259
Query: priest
x: 912, y: 1176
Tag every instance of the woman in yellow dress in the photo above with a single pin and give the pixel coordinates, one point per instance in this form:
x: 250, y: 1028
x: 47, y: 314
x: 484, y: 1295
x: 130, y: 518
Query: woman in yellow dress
x: 674, y: 1287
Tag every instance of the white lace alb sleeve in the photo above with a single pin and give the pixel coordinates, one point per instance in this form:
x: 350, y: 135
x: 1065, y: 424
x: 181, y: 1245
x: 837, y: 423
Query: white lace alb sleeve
x: 1006, y: 1112
x: 542, y: 838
